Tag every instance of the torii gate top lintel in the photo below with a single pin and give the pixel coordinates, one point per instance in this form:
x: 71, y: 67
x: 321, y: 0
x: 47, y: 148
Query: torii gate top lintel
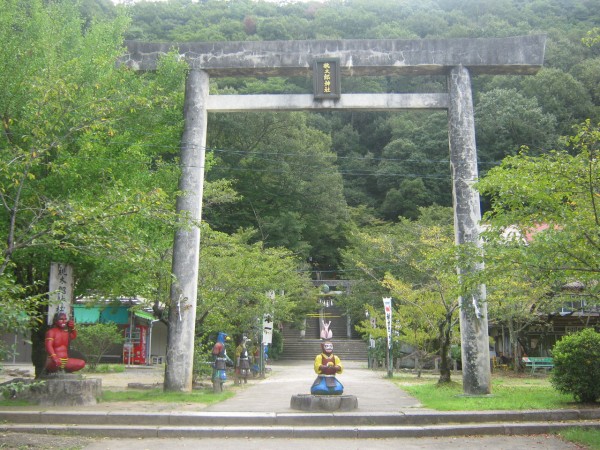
x: 370, y: 57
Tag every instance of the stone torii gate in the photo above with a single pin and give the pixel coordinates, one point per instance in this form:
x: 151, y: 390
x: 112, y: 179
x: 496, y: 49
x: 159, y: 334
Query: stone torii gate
x: 457, y: 59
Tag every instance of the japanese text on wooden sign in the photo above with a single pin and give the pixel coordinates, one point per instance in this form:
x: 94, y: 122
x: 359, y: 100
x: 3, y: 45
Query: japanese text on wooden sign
x: 326, y: 73
x: 61, y: 289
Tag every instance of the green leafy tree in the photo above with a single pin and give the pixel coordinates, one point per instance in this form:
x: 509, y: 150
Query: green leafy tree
x: 16, y: 316
x: 95, y: 340
x: 78, y: 181
x: 543, y: 233
x: 428, y: 298
x: 506, y: 121
x: 577, y: 365
x: 560, y: 94
x: 405, y: 201
x: 592, y: 37
x: 240, y: 281
x: 414, y: 263
x: 516, y: 300
x: 289, y: 186
x: 588, y: 73
x: 413, y: 168
x: 73, y: 170
x: 548, y: 206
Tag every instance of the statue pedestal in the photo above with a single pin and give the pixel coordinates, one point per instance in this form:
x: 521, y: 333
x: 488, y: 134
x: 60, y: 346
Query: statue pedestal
x: 309, y: 402
x: 67, y: 390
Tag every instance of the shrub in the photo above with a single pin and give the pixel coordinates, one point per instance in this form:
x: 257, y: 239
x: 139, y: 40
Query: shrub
x: 14, y: 388
x: 276, y: 347
x: 202, y: 361
x: 95, y: 340
x: 577, y: 365
x: 106, y: 368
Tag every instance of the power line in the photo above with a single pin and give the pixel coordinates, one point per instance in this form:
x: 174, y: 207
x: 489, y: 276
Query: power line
x: 278, y: 154
x: 267, y: 157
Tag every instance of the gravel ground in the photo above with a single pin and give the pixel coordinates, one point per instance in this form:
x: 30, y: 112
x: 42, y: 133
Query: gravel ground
x: 18, y: 441
x: 133, y: 377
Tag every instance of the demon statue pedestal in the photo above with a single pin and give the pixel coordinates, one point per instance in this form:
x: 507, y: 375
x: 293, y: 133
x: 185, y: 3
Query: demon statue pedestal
x: 62, y: 387
x: 326, y: 393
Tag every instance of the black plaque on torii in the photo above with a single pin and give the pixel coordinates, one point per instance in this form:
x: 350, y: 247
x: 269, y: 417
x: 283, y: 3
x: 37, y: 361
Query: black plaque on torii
x: 326, y: 78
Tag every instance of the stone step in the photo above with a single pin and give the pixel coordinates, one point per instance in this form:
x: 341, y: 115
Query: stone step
x: 359, y: 432
x: 296, y: 425
x: 307, y: 349
x: 203, y: 418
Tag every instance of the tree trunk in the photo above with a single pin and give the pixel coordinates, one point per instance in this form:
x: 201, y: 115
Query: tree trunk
x: 419, y: 362
x: 445, y: 328
x: 514, y: 342
x: 38, y: 349
x: 515, y: 345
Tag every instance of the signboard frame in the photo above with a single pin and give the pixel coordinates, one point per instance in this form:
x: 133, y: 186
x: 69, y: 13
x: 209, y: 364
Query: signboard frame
x: 327, y: 79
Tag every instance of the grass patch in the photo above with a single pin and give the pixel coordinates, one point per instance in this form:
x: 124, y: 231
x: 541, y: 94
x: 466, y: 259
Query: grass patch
x: 590, y: 437
x: 105, y: 368
x: 508, y: 393
x: 14, y: 402
x: 159, y: 396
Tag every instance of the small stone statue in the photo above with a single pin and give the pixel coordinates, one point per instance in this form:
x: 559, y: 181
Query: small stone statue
x: 242, y: 362
x: 57, y: 345
x: 326, y: 333
x: 221, y: 360
x: 327, y: 365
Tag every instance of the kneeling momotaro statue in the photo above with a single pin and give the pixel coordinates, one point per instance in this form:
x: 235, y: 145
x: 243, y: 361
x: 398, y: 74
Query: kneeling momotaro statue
x: 327, y: 365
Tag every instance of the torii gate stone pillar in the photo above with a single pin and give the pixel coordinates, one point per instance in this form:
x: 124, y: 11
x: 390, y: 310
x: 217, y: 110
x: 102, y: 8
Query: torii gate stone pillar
x: 475, y: 352
x: 186, y: 246
x: 455, y: 58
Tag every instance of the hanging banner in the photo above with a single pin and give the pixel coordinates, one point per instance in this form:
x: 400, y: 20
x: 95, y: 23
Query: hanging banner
x: 61, y: 290
x: 267, y: 335
x: 387, y: 306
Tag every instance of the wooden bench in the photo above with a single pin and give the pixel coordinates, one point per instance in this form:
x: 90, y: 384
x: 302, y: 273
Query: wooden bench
x: 538, y: 363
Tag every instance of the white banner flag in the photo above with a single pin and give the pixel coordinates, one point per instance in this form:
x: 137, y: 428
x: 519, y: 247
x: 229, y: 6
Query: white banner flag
x: 267, y: 337
x: 387, y: 306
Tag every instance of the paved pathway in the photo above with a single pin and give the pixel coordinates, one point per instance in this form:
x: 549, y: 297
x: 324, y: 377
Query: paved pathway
x: 375, y: 393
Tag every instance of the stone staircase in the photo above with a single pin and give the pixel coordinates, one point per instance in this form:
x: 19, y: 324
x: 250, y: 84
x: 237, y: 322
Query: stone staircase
x: 295, y: 425
x: 306, y: 348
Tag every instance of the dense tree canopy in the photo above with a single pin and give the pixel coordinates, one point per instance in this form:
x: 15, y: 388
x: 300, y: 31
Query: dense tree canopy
x: 89, y: 151
x: 550, y: 205
x: 240, y: 281
x: 414, y: 261
x: 77, y: 182
x: 398, y: 162
x: 88, y: 161
x: 542, y: 233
